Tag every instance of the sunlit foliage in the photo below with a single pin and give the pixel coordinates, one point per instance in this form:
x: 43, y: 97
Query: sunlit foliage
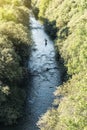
x: 43, y: 5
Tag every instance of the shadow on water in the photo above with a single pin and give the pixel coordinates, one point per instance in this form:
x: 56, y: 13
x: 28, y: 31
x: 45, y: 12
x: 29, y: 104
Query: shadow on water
x: 44, y: 77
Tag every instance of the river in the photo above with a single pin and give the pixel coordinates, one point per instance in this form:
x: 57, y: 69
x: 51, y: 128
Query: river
x: 45, y: 76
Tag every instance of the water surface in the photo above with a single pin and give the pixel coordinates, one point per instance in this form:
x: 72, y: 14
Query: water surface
x: 43, y: 80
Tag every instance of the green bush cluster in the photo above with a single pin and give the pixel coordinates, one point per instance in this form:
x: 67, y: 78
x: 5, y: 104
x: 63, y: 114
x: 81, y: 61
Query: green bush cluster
x: 71, y: 41
x: 15, y: 39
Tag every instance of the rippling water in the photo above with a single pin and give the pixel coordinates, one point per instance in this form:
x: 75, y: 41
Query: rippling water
x: 45, y: 76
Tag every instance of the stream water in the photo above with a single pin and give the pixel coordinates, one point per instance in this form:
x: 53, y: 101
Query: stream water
x: 43, y: 80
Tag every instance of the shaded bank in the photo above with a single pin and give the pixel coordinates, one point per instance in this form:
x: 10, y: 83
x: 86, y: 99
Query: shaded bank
x: 15, y: 39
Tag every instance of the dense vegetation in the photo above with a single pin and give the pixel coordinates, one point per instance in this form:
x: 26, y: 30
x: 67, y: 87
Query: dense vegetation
x: 15, y: 38
x: 71, y: 42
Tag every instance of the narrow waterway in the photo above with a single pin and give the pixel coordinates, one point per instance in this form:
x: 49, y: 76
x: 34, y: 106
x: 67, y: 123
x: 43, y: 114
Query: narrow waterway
x: 43, y: 80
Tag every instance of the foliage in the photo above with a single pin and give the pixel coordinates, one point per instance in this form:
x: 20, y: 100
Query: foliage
x: 35, y: 12
x: 15, y: 39
x: 16, y: 14
x: 9, y: 62
x: 27, y: 3
x: 50, y: 28
x: 19, y: 35
x: 43, y: 6
x: 76, y: 56
x: 12, y: 102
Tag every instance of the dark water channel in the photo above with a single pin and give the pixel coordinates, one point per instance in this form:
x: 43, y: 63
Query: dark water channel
x: 45, y: 77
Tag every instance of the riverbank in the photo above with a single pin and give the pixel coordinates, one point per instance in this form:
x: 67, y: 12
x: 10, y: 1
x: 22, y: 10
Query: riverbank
x: 69, y: 18
x: 15, y: 40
